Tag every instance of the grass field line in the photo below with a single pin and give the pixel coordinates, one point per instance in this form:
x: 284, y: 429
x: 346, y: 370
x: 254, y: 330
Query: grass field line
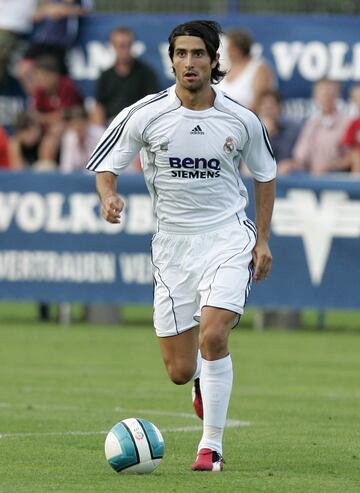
x: 230, y: 423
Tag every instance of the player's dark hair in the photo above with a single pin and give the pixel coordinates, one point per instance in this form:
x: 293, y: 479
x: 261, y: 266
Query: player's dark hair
x: 209, y: 32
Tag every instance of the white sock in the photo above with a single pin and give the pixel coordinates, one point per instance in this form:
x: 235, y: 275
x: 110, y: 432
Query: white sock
x: 198, y: 366
x: 215, y: 384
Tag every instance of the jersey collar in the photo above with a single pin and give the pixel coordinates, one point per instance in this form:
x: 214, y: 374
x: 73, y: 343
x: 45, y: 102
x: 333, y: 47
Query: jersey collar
x: 219, y: 96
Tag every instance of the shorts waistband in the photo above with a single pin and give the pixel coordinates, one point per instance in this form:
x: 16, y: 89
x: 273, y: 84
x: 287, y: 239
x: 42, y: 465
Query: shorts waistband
x: 182, y: 230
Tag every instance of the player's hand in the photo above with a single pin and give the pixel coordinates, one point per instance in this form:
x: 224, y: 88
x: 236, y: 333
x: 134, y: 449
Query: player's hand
x: 262, y: 259
x: 112, y: 205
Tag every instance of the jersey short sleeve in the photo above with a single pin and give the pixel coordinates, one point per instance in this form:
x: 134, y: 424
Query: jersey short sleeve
x: 257, y: 152
x: 119, y: 144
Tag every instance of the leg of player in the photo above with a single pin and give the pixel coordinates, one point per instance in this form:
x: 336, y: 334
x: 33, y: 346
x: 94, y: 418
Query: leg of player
x: 180, y: 355
x: 215, y: 383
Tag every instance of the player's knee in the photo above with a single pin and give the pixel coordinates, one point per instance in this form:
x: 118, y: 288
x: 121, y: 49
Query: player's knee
x: 212, y: 344
x: 180, y: 375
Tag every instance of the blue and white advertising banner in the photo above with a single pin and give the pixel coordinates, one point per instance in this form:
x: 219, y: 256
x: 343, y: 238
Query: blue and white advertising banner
x: 301, y: 49
x: 315, y: 244
x: 54, y: 245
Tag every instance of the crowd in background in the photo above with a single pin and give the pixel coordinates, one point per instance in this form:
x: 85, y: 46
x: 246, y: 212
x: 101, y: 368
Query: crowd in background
x: 327, y: 141
x: 57, y: 132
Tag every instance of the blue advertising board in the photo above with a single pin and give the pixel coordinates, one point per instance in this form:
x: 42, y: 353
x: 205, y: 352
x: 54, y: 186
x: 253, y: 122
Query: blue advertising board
x: 54, y: 245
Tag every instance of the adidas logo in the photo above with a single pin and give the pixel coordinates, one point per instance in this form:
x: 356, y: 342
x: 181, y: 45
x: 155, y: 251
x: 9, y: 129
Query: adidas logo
x: 197, y: 131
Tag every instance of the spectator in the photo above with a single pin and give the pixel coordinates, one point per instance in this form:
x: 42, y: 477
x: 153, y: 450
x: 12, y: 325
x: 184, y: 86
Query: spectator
x: 4, y: 149
x: 351, y: 138
x: 53, y: 94
x: 283, y: 131
x: 248, y: 75
x: 57, y: 26
x: 15, y: 22
x: 78, y: 141
x: 25, y: 142
x: 354, y: 101
x: 24, y: 153
x: 124, y: 83
x: 318, y: 148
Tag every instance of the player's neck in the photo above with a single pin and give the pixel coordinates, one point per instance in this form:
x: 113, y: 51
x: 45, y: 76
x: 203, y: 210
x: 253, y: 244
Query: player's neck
x: 196, y: 100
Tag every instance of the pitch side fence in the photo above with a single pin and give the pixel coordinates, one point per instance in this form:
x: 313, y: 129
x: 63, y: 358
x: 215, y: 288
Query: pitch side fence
x: 54, y: 246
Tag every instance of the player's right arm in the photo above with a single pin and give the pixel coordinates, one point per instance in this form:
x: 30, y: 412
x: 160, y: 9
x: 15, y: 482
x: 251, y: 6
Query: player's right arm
x: 120, y: 143
x: 117, y: 147
x: 111, y: 203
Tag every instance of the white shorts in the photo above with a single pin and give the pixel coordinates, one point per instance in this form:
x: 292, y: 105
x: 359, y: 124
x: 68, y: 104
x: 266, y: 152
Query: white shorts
x: 197, y: 270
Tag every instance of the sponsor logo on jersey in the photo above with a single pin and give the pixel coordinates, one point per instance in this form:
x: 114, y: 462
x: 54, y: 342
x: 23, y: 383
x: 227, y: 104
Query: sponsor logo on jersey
x: 197, y: 131
x: 198, y: 167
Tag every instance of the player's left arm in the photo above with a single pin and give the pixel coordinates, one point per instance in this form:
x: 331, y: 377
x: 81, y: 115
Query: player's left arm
x: 259, y: 157
x: 264, y: 204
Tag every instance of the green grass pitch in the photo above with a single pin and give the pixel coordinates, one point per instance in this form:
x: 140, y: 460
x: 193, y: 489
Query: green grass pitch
x: 62, y: 387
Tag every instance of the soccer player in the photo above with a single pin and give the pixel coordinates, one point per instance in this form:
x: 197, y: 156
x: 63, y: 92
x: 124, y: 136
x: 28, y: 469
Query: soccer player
x: 205, y: 253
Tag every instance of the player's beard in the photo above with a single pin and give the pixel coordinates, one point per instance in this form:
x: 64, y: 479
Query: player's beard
x: 194, y: 86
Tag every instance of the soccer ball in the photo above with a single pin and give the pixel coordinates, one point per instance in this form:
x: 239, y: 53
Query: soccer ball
x: 134, y: 445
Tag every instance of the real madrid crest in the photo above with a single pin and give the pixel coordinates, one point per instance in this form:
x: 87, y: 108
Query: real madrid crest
x: 229, y: 145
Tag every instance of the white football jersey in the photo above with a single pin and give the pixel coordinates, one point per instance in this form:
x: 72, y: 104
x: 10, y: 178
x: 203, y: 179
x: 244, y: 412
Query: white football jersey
x: 190, y: 159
